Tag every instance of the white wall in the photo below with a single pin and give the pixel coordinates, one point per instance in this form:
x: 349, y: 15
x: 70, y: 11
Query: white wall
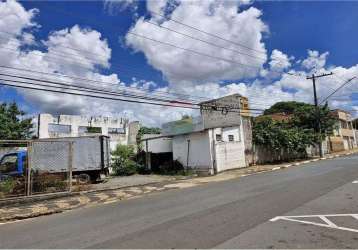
x: 204, y: 149
x: 199, y: 150
x: 230, y: 154
x: 76, y: 121
x: 160, y: 145
x: 235, y: 131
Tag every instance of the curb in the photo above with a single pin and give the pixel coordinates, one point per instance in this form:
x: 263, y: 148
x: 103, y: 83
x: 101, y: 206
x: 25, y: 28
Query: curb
x: 36, y: 198
x: 313, y: 160
x: 45, y: 197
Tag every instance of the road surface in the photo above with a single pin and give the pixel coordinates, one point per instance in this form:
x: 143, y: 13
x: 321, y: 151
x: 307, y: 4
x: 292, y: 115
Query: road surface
x: 249, y: 212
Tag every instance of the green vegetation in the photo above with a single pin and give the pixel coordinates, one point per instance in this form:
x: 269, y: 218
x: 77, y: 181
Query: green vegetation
x: 296, y: 133
x: 124, y: 161
x: 96, y: 130
x: 147, y: 130
x: 12, y: 126
x: 286, y: 107
x: 7, y: 187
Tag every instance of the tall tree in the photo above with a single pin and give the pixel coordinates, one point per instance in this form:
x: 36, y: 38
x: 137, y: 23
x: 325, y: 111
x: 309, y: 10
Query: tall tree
x: 295, y: 133
x: 13, y: 126
x: 286, y: 107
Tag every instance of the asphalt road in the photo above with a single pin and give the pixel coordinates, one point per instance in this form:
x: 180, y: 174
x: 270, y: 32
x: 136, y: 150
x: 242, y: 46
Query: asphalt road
x: 228, y: 214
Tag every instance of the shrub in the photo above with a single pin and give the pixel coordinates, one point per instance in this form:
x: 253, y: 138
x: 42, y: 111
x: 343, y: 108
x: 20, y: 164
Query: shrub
x: 7, y: 186
x: 123, y: 161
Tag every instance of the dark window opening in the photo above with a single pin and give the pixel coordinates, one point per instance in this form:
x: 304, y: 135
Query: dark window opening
x: 231, y: 137
x: 91, y: 130
x: 218, y: 137
x: 116, y: 131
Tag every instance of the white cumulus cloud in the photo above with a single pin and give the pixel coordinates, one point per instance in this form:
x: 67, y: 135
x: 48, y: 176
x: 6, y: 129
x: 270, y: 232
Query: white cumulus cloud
x: 222, y: 18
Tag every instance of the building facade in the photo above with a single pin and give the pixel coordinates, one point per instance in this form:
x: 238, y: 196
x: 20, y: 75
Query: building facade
x: 216, y: 140
x: 120, y: 130
x: 344, y: 136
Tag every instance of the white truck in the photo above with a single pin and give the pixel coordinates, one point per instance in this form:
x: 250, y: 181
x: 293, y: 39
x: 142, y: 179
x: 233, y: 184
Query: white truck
x: 88, y: 157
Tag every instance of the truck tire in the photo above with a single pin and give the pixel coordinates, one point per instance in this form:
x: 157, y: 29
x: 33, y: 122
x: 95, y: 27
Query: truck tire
x: 84, y: 178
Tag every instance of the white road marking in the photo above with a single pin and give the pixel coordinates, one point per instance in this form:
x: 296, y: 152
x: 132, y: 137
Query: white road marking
x: 324, y: 217
x: 355, y: 182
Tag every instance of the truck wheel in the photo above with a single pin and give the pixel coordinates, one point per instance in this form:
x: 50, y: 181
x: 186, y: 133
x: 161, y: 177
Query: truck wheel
x: 84, y: 178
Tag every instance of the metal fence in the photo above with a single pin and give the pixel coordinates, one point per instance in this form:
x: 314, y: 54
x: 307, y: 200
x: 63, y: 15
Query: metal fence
x: 36, y: 167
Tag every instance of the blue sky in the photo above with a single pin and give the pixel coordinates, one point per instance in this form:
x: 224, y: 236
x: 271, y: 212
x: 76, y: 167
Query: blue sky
x: 288, y: 28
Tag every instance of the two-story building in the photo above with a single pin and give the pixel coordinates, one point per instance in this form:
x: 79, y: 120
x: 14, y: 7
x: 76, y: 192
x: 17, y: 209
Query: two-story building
x: 217, y: 140
x: 344, y: 137
x: 120, y: 130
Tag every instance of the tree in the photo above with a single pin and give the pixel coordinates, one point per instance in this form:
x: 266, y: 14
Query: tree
x: 12, y: 124
x: 279, y: 135
x: 297, y: 132
x: 286, y: 107
x: 305, y: 117
x: 147, y: 130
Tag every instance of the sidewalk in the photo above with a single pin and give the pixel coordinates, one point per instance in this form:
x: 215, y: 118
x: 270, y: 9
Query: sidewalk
x: 109, y: 194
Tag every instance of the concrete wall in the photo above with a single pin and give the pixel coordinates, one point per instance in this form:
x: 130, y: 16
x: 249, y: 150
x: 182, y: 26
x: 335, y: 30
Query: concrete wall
x: 160, y: 145
x: 218, y: 118
x: 247, y: 132
x: 206, y: 153
x: 229, y: 155
x: 199, y: 157
x: 119, y: 130
x: 267, y: 155
x: 133, y: 129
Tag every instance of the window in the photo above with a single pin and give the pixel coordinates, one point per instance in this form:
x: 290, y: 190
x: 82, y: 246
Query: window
x: 8, y: 164
x: 218, y: 137
x: 90, y: 130
x: 116, y: 131
x: 231, y: 137
x: 59, y: 128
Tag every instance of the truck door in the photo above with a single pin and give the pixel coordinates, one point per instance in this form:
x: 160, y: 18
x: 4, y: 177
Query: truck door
x: 9, y: 165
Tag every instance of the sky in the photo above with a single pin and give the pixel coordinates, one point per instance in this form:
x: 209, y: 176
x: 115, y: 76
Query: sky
x: 261, y: 49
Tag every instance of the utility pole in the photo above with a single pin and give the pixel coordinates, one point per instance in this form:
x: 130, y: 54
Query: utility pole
x: 318, y: 118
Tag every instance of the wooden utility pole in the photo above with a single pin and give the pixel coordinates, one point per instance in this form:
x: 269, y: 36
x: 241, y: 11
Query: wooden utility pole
x: 318, y: 118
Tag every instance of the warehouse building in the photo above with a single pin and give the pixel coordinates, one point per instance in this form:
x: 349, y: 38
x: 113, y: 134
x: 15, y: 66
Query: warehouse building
x: 120, y: 130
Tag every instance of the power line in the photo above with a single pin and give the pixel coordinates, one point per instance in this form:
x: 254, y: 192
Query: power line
x: 172, y: 45
x: 204, y: 54
x: 189, y: 97
x: 80, y: 92
x: 59, y: 45
x: 203, y: 41
x: 96, y: 90
x: 93, y: 81
x: 212, y: 44
x: 337, y: 89
x: 209, y: 34
x: 204, y: 98
x: 253, y: 93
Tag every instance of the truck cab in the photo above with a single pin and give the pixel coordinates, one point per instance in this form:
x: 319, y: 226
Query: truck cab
x: 13, y: 164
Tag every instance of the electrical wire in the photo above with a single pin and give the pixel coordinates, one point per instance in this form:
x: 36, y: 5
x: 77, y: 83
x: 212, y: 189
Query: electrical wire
x: 80, y: 92
x: 337, y: 89
x: 172, y: 45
